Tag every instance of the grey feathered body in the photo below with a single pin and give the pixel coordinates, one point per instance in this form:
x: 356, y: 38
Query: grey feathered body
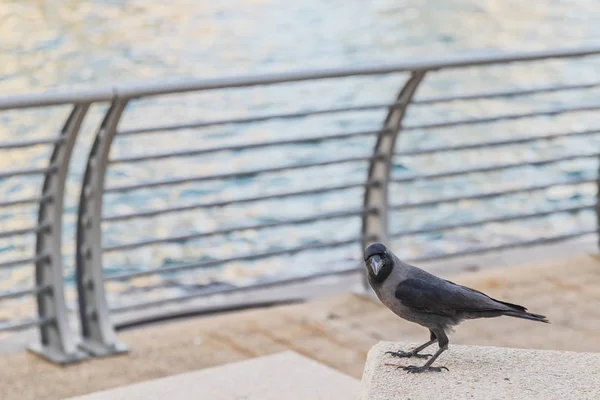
x: 435, y: 303
x: 386, y: 292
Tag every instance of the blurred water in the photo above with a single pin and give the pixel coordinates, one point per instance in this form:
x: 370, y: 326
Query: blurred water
x: 70, y: 44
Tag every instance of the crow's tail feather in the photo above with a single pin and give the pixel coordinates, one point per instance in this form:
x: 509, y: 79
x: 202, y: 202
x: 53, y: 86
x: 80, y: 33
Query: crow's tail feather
x: 527, y: 315
x: 521, y: 312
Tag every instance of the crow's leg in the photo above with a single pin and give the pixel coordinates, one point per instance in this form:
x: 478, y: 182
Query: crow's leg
x: 415, y: 352
x: 443, y: 343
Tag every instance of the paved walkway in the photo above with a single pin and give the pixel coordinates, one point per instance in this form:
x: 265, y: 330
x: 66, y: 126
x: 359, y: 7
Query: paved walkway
x: 337, y: 331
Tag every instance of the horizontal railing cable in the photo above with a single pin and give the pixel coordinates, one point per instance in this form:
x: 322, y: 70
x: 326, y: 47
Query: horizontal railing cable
x: 240, y: 147
x: 28, y: 143
x: 18, y: 202
x: 23, y: 231
x: 491, y: 168
x: 487, y: 195
x: 223, y: 203
x: 505, y: 93
x: 238, y: 289
x: 505, y: 117
x: 20, y: 325
x: 507, y: 246
x: 426, y: 203
x: 234, y: 175
x: 495, y: 143
x: 259, y: 118
x: 21, y: 261
x: 367, y: 107
x: 246, y: 257
x: 21, y: 293
x: 226, y: 231
x: 26, y: 171
x: 483, y: 221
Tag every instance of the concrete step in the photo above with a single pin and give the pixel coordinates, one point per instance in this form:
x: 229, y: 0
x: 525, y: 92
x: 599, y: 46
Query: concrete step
x: 285, y: 375
x: 477, y: 372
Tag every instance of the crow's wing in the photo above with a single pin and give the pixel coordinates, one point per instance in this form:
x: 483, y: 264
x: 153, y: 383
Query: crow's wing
x: 443, y: 297
x: 510, y: 305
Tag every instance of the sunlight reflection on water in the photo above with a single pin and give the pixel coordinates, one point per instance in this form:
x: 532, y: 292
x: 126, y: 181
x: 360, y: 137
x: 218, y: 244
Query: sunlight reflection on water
x: 65, y: 45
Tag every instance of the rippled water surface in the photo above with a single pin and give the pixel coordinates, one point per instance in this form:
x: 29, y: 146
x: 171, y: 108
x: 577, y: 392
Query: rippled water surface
x: 68, y: 45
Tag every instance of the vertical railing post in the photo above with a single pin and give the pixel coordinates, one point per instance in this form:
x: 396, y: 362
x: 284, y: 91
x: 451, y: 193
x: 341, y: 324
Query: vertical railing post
x: 375, y: 225
x: 57, y: 341
x: 99, y: 337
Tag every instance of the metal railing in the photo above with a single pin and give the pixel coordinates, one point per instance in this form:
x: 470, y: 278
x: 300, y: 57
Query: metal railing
x: 97, y: 337
x: 57, y: 341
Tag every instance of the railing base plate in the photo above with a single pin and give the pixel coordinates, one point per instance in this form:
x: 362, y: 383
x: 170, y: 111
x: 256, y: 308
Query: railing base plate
x: 102, y: 350
x: 57, y: 357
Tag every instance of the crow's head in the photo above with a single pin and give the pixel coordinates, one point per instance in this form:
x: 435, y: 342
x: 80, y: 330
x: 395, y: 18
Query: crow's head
x: 378, y: 260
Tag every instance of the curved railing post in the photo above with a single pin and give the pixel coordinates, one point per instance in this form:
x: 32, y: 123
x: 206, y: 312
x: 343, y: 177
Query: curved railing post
x: 57, y: 341
x: 98, y: 333
x: 375, y: 225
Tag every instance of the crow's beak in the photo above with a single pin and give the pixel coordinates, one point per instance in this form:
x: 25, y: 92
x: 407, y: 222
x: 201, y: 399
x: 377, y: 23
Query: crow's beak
x: 375, y: 263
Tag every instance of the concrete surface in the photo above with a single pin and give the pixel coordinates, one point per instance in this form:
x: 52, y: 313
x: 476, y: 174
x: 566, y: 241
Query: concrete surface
x: 477, y: 372
x: 335, y: 331
x: 283, y: 375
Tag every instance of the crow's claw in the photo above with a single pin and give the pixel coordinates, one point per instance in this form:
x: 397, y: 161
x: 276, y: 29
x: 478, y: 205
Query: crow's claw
x: 413, y: 369
x: 404, y: 354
